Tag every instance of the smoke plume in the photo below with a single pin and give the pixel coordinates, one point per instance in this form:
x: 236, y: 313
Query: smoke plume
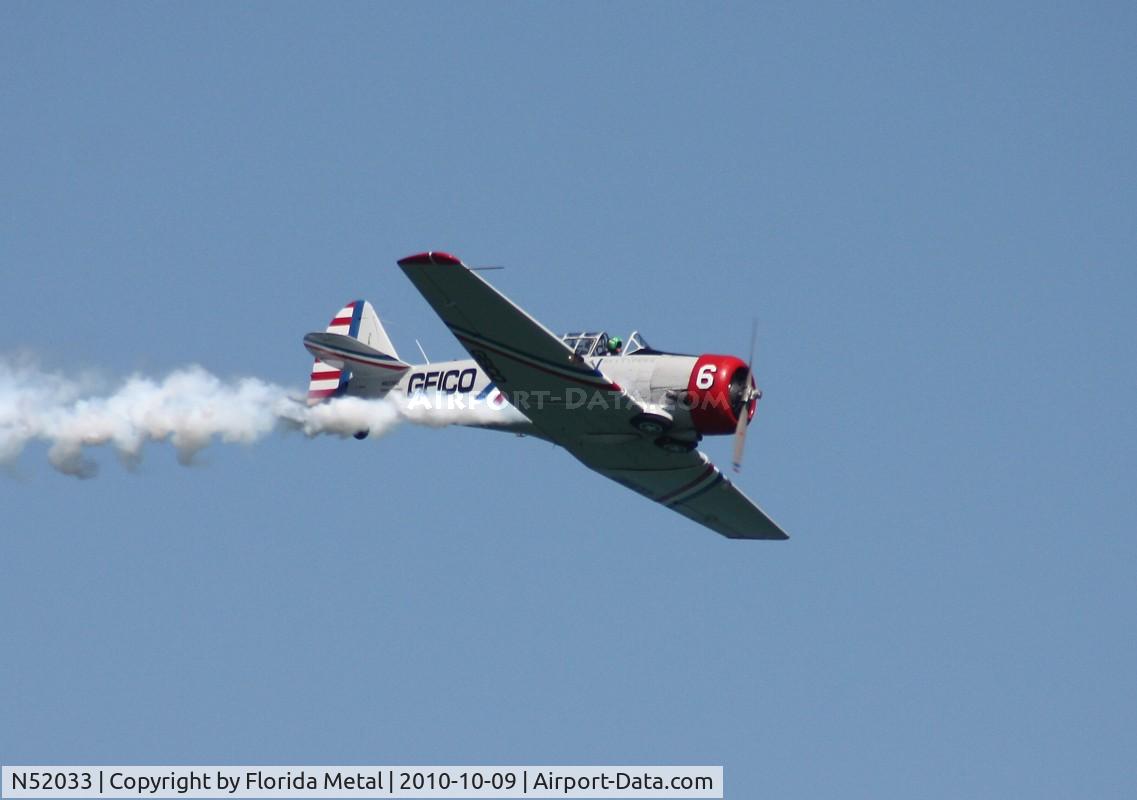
x: 189, y: 408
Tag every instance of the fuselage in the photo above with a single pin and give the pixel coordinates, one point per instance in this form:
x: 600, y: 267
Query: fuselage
x: 461, y: 393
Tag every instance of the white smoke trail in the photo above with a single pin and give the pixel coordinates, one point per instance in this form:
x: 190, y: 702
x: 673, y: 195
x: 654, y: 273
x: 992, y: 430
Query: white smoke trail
x: 189, y: 408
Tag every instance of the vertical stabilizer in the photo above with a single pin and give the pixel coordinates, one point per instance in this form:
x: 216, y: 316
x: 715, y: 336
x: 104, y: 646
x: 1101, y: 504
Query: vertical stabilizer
x: 371, y: 331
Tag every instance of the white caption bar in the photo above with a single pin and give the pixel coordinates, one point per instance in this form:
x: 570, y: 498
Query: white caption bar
x: 360, y: 782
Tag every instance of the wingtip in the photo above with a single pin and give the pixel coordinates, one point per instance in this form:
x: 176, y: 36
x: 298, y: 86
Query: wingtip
x: 429, y: 257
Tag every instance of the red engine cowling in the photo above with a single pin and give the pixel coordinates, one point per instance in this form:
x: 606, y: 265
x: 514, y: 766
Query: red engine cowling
x: 716, y: 392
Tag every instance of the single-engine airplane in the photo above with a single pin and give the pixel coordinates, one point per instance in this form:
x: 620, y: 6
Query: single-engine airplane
x: 630, y: 412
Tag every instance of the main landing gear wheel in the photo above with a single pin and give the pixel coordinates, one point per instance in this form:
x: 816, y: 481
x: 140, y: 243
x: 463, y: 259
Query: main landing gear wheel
x: 651, y: 424
x: 672, y: 445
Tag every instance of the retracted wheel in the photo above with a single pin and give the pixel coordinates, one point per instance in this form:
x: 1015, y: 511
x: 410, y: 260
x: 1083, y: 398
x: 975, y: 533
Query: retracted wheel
x: 652, y: 424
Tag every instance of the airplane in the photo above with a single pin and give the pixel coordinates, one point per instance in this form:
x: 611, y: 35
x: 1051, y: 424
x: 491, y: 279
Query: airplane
x: 628, y: 411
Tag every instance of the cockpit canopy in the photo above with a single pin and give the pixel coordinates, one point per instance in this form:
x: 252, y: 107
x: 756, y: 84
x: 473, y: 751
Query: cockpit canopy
x: 595, y: 344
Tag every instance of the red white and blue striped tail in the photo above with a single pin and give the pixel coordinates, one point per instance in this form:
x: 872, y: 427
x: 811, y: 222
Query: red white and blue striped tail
x: 353, y: 355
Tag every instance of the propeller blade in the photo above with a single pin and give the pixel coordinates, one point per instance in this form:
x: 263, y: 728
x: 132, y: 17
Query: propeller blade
x: 739, y: 441
x: 753, y: 339
x: 750, y: 394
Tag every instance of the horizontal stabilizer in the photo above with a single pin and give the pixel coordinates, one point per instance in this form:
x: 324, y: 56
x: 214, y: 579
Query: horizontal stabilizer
x: 354, y: 356
x: 344, y: 352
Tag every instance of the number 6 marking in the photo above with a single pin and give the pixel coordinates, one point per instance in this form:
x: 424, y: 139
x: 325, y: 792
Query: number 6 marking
x: 706, y: 377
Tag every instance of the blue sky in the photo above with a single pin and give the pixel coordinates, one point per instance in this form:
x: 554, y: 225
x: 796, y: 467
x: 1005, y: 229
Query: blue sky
x: 929, y: 210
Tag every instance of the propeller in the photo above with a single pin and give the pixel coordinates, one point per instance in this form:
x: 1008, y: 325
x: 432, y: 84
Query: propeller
x: 751, y: 392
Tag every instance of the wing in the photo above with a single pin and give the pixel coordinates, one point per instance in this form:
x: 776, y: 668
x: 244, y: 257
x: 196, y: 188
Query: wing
x: 576, y: 405
x: 685, y: 482
x: 538, y: 374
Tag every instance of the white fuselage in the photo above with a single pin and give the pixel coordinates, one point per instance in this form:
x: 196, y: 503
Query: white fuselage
x: 461, y: 393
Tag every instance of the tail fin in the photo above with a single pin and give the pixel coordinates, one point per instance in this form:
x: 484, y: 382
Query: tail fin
x: 370, y: 330
x: 354, y: 355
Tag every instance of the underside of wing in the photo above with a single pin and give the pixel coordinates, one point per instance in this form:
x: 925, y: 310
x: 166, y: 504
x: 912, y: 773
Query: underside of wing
x: 563, y: 395
x: 685, y: 482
